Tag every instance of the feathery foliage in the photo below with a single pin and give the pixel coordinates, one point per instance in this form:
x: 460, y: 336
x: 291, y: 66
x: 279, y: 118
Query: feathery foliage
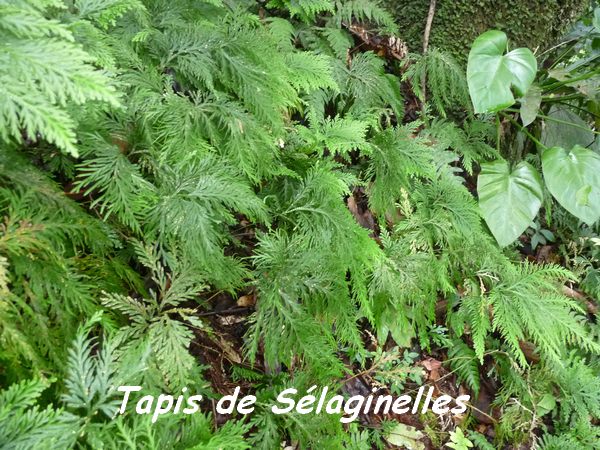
x: 158, y: 157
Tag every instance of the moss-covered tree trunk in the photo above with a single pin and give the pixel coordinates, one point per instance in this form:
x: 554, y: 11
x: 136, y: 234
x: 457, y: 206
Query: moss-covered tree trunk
x: 533, y: 23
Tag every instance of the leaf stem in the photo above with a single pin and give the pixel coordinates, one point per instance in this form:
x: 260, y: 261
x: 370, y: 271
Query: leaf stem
x: 498, y: 133
x: 558, y: 84
x: 578, y: 108
x: 524, y: 130
x: 566, y: 122
x: 425, y: 48
x: 556, y: 98
x: 560, y: 44
x: 554, y: 119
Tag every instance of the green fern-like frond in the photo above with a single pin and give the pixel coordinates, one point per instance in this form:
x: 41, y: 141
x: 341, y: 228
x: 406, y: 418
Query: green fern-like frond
x: 337, y: 137
x: 527, y: 304
x: 476, y: 308
x: 580, y: 385
x: 463, y: 361
x: 52, y: 72
x: 25, y: 424
x: 90, y: 380
x: 397, y: 157
x: 106, y: 12
x: 469, y: 142
x: 118, y: 179
x: 310, y: 71
x: 366, y: 88
x: 339, y: 41
x: 446, y: 81
x: 365, y: 11
x: 160, y: 323
x: 304, y: 9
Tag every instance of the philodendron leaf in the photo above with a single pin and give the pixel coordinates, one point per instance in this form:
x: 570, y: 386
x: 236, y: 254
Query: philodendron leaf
x: 530, y: 105
x: 491, y: 73
x: 573, y: 178
x: 508, y: 200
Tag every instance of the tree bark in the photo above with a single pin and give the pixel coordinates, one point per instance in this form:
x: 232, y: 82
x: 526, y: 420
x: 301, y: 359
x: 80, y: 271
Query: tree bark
x: 535, y: 23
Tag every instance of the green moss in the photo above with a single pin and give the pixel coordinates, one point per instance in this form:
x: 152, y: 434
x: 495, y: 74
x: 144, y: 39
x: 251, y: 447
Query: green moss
x: 535, y: 23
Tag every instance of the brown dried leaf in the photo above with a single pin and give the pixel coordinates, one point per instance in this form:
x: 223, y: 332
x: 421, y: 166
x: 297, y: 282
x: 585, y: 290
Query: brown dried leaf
x: 246, y: 301
x: 433, y: 367
x: 364, y: 217
x: 431, y: 364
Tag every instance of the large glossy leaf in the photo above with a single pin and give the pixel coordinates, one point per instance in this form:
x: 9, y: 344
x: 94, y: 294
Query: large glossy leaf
x: 491, y: 73
x: 508, y: 200
x: 573, y: 178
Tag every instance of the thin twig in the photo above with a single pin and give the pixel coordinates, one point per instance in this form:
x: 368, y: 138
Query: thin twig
x: 225, y: 312
x: 524, y: 130
x: 426, y: 34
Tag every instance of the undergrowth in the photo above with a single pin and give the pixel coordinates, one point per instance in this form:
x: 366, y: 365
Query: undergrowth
x: 138, y: 135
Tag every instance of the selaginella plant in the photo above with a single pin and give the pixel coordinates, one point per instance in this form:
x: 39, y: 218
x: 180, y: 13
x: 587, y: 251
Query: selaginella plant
x: 137, y: 136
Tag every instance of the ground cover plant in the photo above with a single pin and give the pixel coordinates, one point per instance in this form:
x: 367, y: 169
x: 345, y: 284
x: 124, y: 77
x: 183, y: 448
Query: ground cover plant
x: 197, y: 195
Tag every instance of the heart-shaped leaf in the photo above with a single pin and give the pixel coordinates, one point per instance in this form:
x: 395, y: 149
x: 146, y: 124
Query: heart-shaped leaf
x: 509, y: 201
x: 530, y: 105
x: 491, y: 73
x: 573, y: 178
